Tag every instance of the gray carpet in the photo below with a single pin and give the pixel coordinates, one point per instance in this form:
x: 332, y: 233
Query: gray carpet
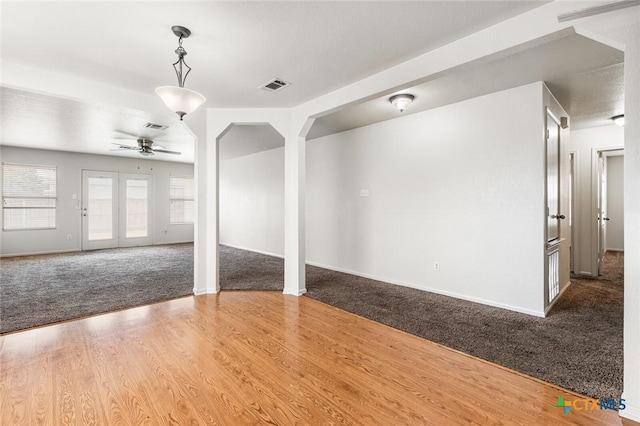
x: 578, y: 346
x: 39, y: 290
x: 247, y: 270
x: 45, y: 289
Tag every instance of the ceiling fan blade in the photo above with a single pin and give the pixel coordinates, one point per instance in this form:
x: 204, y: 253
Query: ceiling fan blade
x: 166, y: 151
x: 121, y: 146
x: 132, y: 135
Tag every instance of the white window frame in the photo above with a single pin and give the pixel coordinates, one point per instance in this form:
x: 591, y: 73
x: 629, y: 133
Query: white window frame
x: 183, y: 199
x: 5, y: 197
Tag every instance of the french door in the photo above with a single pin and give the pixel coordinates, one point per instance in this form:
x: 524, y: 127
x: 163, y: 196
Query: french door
x: 116, y: 210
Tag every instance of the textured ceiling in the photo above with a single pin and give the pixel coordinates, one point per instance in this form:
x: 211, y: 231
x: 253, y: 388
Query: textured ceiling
x: 585, y: 76
x: 237, y: 46
x: 34, y: 120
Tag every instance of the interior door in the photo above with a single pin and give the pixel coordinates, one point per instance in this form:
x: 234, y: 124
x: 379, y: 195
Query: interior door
x: 135, y: 210
x: 553, y: 179
x: 602, y: 208
x: 572, y: 194
x: 99, y: 210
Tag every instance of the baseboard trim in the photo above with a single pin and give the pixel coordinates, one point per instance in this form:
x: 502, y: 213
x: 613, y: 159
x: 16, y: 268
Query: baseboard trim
x: 553, y: 302
x: 532, y: 312
x: 253, y: 250
x: 586, y: 274
x: 36, y: 253
x: 631, y: 411
x: 615, y: 249
x: 198, y: 292
x: 294, y: 292
x: 168, y: 243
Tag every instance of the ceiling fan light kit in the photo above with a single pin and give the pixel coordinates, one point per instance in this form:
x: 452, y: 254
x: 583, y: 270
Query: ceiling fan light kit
x: 180, y: 100
x: 145, y: 147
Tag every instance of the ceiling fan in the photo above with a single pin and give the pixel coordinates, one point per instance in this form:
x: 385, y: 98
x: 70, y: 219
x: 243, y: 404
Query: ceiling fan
x: 145, y: 147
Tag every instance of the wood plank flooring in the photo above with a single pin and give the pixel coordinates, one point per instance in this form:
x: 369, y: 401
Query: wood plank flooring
x: 245, y: 358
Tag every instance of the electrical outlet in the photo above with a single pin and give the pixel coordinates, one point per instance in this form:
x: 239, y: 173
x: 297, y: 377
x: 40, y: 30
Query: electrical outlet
x: 436, y: 265
x: 364, y: 192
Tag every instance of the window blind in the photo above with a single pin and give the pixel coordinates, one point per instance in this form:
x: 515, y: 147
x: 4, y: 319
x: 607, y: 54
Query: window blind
x: 181, y: 199
x: 28, y: 196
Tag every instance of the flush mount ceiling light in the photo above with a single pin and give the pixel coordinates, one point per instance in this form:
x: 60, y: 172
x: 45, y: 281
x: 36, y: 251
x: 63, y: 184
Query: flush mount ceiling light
x: 401, y: 101
x: 180, y: 100
x: 618, y: 119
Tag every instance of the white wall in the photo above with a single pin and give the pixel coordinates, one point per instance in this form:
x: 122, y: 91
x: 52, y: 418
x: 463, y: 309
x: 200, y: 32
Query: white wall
x: 584, y: 143
x: 462, y: 185
x: 615, y: 203
x: 252, y: 202
x: 70, y: 166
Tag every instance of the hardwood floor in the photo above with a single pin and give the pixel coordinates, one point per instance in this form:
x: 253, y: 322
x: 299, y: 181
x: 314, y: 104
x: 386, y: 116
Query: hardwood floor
x: 240, y: 358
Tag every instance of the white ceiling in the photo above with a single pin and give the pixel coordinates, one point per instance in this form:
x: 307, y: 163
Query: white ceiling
x: 34, y: 120
x: 237, y: 46
x: 585, y: 76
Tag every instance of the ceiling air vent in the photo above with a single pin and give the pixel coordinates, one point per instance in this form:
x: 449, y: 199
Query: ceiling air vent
x: 274, y: 85
x: 155, y: 126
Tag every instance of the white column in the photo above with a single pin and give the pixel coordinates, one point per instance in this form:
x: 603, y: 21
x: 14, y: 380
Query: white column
x: 632, y: 225
x: 206, y: 248
x: 294, y: 206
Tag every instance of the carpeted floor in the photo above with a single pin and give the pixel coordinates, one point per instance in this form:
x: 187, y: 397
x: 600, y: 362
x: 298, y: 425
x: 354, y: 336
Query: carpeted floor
x: 578, y: 346
x: 44, y: 289
x: 247, y: 270
x: 38, y: 290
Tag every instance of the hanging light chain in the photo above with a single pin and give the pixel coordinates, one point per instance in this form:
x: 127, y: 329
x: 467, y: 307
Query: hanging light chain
x: 178, y: 65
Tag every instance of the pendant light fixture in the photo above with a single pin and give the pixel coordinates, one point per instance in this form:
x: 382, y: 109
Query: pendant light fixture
x: 180, y: 100
x: 401, y: 101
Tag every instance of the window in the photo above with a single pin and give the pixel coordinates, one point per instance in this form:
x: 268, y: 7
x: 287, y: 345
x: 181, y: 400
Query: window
x: 28, y: 197
x: 181, y: 200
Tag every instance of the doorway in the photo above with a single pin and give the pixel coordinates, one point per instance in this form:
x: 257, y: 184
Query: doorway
x: 603, y: 205
x: 572, y: 208
x: 116, y: 209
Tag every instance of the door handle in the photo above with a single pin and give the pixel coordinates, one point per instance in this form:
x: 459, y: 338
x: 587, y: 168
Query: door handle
x: 560, y: 216
x: 605, y: 218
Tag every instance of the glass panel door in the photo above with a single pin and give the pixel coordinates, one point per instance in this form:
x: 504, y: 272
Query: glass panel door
x: 99, y: 210
x: 136, y: 210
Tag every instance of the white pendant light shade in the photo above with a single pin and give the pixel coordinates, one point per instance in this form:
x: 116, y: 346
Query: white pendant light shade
x: 180, y: 100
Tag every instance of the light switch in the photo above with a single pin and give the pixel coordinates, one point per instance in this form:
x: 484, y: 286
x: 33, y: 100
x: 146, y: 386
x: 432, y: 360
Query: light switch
x: 364, y: 192
x: 74, y: 196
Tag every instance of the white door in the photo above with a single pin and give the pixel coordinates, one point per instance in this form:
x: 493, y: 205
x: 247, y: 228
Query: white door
x: 553, y: 179
x: 602, y: 208
x: 116, y: 210
x: 99, y: 210
x: 572, y: 207
x: 135, y: 210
